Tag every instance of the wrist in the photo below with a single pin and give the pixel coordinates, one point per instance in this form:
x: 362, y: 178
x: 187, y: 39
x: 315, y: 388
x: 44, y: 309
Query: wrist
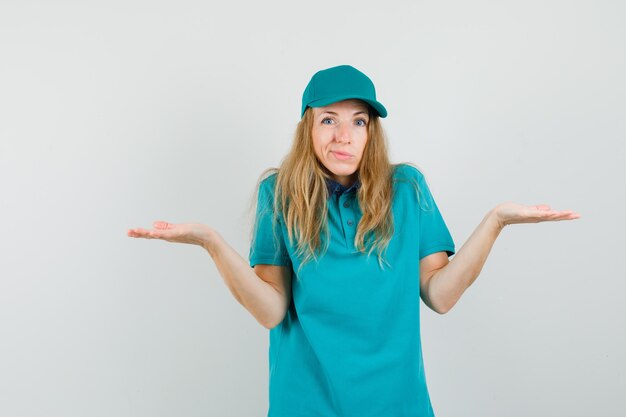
x: 211, y: 241
x: 494, y: 220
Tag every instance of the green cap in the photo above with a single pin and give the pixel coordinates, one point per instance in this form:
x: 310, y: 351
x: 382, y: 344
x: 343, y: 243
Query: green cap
x: 340, y: 83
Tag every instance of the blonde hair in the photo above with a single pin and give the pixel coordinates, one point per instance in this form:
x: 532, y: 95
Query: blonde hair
x: 301, y: 194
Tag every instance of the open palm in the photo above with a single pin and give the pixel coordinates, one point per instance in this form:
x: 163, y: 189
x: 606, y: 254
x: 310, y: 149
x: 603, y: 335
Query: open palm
x: 511, y: 213
x: 192, y: 233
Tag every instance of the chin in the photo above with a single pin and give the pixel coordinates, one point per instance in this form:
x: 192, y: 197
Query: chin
x: 343, y: 172
x: 339, y: 169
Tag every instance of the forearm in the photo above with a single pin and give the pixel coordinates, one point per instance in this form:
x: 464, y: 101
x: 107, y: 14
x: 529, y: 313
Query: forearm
x: 449, y: 283
x: 257, y: 296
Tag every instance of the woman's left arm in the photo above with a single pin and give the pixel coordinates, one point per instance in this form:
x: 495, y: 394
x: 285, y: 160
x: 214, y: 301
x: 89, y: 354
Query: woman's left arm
x: 443, y: 288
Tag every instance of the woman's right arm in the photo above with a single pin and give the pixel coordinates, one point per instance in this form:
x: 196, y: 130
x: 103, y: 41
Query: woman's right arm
x: 264, y: 291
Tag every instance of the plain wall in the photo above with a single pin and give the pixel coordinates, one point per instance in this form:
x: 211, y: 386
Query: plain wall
x: 115, y: 114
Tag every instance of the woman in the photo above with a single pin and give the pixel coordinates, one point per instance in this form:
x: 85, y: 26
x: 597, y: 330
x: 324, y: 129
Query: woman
x: 344, y: 245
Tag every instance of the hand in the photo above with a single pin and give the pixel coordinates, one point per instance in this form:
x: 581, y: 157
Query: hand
x: 510, y: 213
x: 193, y: 233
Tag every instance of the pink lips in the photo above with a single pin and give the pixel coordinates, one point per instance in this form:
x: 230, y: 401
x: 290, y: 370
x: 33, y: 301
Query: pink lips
x: 341, y: 155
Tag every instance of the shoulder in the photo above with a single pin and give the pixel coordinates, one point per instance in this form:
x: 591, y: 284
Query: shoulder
x: 407, y: 172
x: 410, y: 186
x: 267, y: 181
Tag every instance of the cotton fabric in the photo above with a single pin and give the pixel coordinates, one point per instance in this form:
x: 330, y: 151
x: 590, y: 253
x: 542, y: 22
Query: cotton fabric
x: 350, y: 345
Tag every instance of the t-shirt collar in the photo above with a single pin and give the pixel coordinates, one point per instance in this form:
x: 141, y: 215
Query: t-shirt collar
x: 336, y: 188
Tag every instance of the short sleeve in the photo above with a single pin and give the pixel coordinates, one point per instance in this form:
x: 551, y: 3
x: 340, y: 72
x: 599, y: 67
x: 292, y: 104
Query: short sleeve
x: 434, y: 234
x: 267, y: 245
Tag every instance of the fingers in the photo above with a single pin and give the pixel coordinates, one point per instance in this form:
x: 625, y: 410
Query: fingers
x: 162, y: 225
x: 133, y: 233
x: 147, y: 234
x: 568, y: 215
x: 548, y: 211
x: 139, y: 232
x: 151, y: 234
x: 554, y: 215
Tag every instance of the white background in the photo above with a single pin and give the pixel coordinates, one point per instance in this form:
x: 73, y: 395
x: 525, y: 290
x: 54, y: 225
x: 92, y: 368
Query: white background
x: 115, y: 114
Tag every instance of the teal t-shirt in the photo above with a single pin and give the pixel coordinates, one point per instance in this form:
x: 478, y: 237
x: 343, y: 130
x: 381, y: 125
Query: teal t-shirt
x: 349, y: 345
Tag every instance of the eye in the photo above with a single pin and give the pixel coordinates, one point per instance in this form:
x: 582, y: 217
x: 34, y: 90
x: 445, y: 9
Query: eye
x: 325, y: 119
x: 362, y: 120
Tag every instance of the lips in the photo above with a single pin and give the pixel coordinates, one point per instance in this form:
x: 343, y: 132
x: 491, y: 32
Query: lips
x: 341, y: 156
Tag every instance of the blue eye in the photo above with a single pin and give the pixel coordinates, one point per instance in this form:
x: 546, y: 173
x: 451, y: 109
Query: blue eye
x: 362, y: 120
x: 326, y: 118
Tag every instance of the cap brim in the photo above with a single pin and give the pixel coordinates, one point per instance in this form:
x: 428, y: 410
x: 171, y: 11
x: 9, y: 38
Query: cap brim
x: 380, y: 109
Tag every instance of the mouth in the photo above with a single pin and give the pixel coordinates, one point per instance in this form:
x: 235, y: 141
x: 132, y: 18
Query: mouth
x: 341, y: 155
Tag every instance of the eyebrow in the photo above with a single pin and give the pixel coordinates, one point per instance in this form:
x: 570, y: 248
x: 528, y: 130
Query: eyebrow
x: 332, y: 112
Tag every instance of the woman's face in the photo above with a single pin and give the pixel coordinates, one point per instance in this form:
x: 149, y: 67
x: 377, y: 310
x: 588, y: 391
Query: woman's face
x: 339, y: 136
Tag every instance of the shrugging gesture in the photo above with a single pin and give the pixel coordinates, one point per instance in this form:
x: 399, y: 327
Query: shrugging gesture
x: 346, y: 314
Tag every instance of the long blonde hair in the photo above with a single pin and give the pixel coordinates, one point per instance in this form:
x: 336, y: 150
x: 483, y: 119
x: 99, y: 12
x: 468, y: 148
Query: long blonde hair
x: 301, y: 193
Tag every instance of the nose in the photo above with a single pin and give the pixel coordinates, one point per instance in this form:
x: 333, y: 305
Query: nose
x: 342, y: 134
